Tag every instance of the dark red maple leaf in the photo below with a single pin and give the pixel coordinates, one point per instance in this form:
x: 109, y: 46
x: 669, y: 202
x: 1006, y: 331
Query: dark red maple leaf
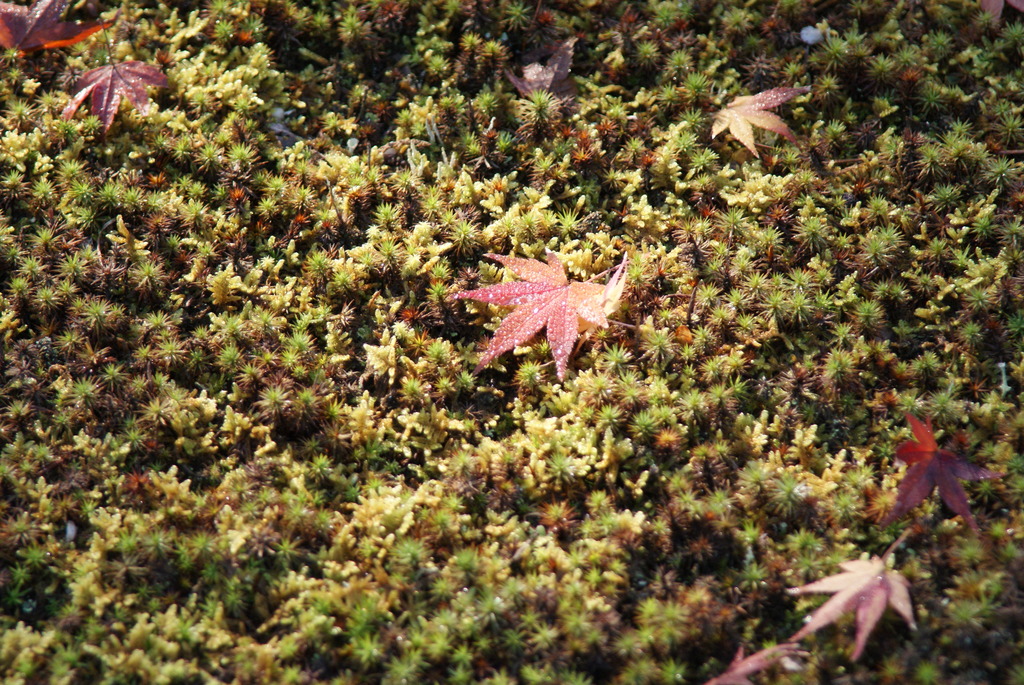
x: 39, y: 26
x: 928, y: 467
x: 109, y: 84
x: 546, y: 298
x: 741, y: 668
x: 552, y: 76
x: 865, y: 585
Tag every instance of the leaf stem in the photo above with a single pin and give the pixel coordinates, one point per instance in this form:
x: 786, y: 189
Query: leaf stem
x: 110, y: 46
x: 896, y: 543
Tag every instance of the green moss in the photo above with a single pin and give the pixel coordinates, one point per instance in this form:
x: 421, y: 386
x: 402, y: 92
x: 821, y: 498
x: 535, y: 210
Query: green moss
x: 242, y: 439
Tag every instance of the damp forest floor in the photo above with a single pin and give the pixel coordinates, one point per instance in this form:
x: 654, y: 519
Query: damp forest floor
x: 241, y: 439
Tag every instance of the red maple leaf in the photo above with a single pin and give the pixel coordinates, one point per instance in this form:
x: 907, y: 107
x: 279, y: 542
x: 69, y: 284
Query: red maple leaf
x: 546, y: 298
x: 928, y: 466
x: 747, y: 111
x: 109, y: 84
x: 39, y: 26
x: 865, y: 586
x: 741, y: 668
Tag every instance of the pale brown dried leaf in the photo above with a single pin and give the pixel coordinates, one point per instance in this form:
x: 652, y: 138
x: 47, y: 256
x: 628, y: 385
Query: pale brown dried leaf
x: 552, y: 76
x: 995, y: 7
x: 865, y: 586
x: 747, y: 111
x: 741, y: 668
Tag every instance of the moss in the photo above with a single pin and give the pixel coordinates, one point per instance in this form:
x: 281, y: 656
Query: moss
x: 242, y: 440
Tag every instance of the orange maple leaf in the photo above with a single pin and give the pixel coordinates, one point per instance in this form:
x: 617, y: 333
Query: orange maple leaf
x: 865, y: 585
x: 107, y: 85
x: 39, y: 26
x: 546, y: 298
x: 745, y: 112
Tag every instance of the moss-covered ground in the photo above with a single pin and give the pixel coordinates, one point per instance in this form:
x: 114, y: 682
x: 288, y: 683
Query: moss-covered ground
x: 241, y: 436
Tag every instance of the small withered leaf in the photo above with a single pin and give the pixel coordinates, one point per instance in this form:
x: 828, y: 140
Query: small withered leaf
x: 928, y: 467
x: 40, y: 26
x: 866, y: 586
x: 545, y: 298
x: 108, y: 84
x: 745, y: 112
x: 552, y: 76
